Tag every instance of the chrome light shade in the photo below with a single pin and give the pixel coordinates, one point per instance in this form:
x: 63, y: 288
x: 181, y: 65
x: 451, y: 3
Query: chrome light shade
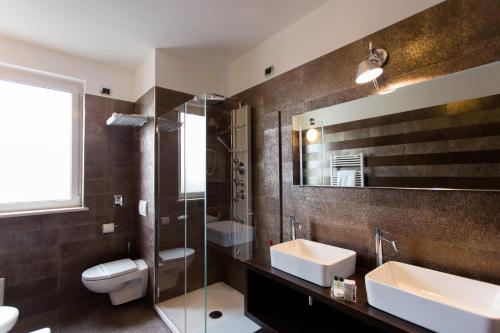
x: 371, y: 68
x: 368, y: 71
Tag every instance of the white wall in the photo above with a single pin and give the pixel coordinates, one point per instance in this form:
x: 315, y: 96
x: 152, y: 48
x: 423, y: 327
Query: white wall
x: 144, y: 76
x: 182, y: 74
x: 329, y: 27
x: 95, y: 74
x: 158, y: 68
x: 167, y: 70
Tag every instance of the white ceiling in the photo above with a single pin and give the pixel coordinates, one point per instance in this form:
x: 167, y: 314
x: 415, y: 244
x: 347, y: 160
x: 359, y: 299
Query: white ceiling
x: 124, y: 31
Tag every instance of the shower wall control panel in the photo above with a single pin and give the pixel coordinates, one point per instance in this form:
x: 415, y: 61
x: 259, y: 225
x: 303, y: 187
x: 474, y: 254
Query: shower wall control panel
x: 241, y: 208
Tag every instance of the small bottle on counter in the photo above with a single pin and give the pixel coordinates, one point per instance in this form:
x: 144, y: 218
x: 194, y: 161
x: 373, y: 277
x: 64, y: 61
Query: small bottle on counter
x: 338, y: 287
x: 334, y: 283
x: 350, y: 290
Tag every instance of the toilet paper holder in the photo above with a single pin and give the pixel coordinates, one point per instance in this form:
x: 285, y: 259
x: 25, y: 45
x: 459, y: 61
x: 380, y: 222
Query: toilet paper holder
x: 108, y: 228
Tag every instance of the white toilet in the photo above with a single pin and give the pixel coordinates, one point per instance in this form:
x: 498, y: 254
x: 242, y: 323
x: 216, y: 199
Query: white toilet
x: 125, y: 280
x: 8, y: 318
x: 172, y: 265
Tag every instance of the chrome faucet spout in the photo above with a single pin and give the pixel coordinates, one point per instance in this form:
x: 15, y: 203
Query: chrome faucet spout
x: 379, y: 253
x: 293, y: 224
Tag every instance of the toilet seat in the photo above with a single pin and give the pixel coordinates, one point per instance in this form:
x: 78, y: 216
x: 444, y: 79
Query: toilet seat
x: 171, y: 255
x: 109, y: 270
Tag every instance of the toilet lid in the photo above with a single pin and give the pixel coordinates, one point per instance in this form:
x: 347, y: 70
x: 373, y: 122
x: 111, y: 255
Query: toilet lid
x: 174, y: 254
x: 109, y: 270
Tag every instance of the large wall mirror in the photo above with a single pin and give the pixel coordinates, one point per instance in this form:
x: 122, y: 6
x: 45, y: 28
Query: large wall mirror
x: 438, y: 134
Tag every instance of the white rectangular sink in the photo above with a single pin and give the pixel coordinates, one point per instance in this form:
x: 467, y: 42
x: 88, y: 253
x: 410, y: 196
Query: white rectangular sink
x: 437, y: 301
x: 315, y: 262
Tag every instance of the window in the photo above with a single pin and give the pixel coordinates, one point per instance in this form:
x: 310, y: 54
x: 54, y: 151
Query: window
x: 40, y: 142
x: 192, y: 138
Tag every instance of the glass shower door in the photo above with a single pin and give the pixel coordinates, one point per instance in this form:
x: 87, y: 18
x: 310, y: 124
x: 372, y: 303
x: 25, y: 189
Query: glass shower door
x: 171, y: 219
x: 192, y: 193
x: 229, y: 227
x: 181, y: 190
x: 205, y: 221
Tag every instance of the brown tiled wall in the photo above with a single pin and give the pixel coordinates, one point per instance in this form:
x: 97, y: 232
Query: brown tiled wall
x: 452, y: 231
x: 43, y: 256
x: 153, y: 103
x: 145, y: 235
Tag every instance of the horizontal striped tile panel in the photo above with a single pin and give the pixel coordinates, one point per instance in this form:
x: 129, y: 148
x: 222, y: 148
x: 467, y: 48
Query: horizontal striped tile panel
x: 478, y: 104
x: 457, y: 140
x: 464, y: 157
x: 437, y: 182
x: 469, y: 144
x: 461, y: 132
x: 470, y: 118
x: 445, y: 170
x: 478, y: 183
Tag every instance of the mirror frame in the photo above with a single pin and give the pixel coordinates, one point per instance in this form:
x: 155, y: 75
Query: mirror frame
x: 488, y: 73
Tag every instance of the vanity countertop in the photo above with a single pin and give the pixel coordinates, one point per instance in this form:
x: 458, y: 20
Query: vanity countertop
x: 359, y: 309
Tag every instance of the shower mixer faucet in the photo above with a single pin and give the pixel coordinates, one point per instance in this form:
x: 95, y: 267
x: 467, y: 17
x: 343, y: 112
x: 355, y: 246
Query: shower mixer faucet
x: 239, y: 182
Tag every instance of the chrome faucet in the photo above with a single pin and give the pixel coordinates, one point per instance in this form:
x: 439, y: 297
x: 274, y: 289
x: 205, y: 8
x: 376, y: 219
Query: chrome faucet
x: 294, y: 224
x: 378, y: 245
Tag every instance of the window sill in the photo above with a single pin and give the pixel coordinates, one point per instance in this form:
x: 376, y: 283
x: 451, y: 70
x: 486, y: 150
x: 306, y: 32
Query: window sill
x: 44, y: 212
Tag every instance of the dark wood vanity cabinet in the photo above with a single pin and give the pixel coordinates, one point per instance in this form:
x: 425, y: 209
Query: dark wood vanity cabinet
x: 281, y: 303
x: 282, y: 309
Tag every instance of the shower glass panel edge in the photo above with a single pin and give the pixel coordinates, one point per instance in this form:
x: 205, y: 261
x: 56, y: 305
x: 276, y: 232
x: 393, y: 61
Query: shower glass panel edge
x: 205, y: 253
x: 170, y: 211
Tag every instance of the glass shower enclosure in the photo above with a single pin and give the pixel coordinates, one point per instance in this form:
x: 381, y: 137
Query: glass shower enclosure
x: 204, y: 226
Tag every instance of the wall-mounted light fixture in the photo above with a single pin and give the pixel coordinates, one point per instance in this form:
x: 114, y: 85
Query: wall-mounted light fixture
x: 371, y: 68
x: 312, y: 134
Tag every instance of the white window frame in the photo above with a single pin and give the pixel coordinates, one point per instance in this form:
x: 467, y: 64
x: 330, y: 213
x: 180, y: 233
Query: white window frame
x: 76, y: 88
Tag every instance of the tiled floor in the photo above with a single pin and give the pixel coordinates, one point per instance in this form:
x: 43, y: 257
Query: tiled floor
x: 140, y: 317
x: 127, y: 318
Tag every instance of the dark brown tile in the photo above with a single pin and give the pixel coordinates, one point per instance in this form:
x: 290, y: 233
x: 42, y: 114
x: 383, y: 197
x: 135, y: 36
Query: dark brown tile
x: 38, y: 321
x: 444, y: 39
x: 33, y: 297
x: 132, y: 317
